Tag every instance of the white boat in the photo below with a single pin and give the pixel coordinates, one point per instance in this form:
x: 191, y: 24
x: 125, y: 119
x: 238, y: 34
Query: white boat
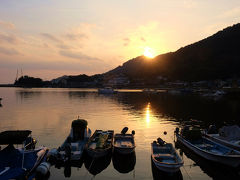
x: 211, y: 150
x: 124, y: 143
x: 73, y: 147
x: 107, y: 90
x: 149, y: 91
x: 100, y: 143
x: 165, y: 157
x: 228, y: 136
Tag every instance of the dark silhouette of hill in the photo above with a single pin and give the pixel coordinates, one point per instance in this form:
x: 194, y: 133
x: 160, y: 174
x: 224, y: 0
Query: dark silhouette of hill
x: 216, y: 57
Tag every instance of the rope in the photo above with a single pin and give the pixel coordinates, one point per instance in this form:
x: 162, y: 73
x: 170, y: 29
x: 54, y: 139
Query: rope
x: 187, y: 173
x: 89, y: 167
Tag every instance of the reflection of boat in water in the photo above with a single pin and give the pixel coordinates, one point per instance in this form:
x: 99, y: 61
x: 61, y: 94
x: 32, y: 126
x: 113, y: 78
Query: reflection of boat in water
x: 124, y: 163
x: 97, y: 165
x: 100, y: 143
x: 73, y: 147
x: 158, y: 174
x: 0, y: 102
x: 212, y: 169
x: 208, y: 149
x: 106, y: 90
x: 19, y: 163
x: 124, y: 143
x: 165, y: 157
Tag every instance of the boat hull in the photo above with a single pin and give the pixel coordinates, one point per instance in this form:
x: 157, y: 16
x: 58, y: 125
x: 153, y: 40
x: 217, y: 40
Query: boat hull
x: 233, y: 160
x: 169, y: 168
x: 98, y: 154
x: 123, y: 150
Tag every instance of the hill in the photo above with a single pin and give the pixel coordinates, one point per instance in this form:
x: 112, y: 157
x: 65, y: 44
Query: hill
x: 216, y: 57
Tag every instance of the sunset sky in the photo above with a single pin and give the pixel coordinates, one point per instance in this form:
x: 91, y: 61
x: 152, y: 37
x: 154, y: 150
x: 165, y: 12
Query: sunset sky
x: 51, y: 38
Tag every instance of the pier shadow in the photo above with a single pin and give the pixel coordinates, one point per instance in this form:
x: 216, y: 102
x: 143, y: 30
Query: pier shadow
x: 214, y: 170
x: 124, y: 163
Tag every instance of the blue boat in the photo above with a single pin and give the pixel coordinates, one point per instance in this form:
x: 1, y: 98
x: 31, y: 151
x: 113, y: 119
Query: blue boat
x: 208, y: 149
x: 18, y: 163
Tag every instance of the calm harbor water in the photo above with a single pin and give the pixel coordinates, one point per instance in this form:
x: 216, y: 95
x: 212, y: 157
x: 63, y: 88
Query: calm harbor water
x: 49, y: 113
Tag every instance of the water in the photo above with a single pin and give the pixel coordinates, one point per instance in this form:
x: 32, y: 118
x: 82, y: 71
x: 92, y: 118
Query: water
x: 49, y: 113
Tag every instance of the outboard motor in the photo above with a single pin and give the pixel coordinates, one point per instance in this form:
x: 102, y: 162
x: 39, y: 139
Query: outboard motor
x: 78, y: 129
x: 212, y: 129
x: 124, y: 130
x: 30, y: 143
x: 68, y: 152
x: 177, y: 130
x: 160, y: 141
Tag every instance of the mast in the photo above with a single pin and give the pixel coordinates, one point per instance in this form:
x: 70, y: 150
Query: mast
x: 17, y: 75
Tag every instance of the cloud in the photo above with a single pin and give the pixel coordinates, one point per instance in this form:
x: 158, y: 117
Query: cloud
x: 235, y: 12
x: 51, y: 37
x: 76, y: 36
x: 78, y: 55
x: 144, y: 40
x: 189, y: 3
x: 9, y: 52
x: 12, y: 39
x: 7, y: 25
x: 126, y: 41
x: 63, y: 46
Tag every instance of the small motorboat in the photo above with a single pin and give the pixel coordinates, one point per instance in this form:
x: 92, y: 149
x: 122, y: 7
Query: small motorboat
x: 206, y: 148
x: 124, y: 143
x: 165, y: 157
x: 107, y: 90
x: 100, y: 143
x: 228, y: 136
x: 71, y: 150
x: 19, y: 163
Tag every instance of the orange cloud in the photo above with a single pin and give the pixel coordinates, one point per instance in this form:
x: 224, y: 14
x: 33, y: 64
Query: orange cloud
x: 7, y: 25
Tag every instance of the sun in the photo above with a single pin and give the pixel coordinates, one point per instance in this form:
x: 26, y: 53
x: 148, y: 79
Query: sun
x: 148, y: 52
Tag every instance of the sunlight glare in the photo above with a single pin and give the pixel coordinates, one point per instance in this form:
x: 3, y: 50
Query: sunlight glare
x: 148, y: 52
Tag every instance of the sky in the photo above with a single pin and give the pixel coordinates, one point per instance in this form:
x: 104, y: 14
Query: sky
x: 52, y: 38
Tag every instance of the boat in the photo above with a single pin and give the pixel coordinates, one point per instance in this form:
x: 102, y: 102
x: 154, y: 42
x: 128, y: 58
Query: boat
x: 19, y: 163
x: 100, y: 143
x: 149, y: 91
x: 124, y: 143
x: 71, y: 151
x: 228, y: 136
x: 212, y: 169
x: 107, y: 90
x: 206, y: 148
x: 165, y: 157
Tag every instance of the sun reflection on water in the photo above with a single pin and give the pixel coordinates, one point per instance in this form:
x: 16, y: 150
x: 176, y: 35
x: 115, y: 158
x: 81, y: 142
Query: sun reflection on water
x: 148, y: 113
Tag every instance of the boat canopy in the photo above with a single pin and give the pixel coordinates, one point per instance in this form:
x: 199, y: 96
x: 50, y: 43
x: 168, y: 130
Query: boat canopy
x: 230, y: 132
x: 14, y: 137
